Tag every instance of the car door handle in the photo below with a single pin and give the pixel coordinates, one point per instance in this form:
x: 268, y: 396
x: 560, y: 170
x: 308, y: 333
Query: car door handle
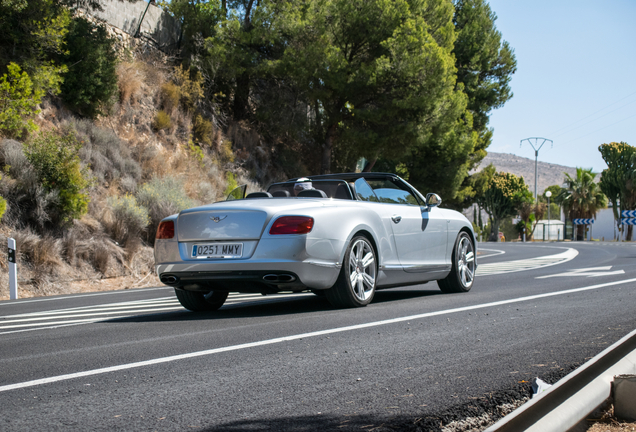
x: 396, y: 219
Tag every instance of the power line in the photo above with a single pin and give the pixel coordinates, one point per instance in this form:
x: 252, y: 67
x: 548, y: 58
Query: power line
x: 594, y: 113
x: 604, y: 127
x: 600, y: 117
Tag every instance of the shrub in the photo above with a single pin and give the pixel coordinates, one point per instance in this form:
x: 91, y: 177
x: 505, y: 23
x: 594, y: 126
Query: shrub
x: 197, y: 153
x: 130, y: 219
x: 3, y: 207
x: 231, y: 183
x: 109, y: 157
x: 28, y: 203
x: 227, y: 155
x: 162, y: 197
x: 170, y: 96
x: 129, y: 81
x: 190, y: 83
x: 90, y: 84
x: 55, y: 159
x: 202, y: 131
x: 42, y: 252
x: 18, y: 102
x: 162, y: 121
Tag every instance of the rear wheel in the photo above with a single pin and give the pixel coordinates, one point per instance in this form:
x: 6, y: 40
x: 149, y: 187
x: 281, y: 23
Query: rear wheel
x: 462, y: 274
x: 355, y: 286
x: 200, y: 301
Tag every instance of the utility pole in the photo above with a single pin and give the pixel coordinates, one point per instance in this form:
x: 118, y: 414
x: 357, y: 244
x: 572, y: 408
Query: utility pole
x: 536, y: 146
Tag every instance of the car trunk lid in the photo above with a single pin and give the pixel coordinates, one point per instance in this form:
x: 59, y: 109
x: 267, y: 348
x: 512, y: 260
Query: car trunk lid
x: 214, y: 225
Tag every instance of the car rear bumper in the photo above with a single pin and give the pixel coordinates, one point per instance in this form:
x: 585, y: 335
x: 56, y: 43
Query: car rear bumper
x: 275, y: 264
x: 249, y: 277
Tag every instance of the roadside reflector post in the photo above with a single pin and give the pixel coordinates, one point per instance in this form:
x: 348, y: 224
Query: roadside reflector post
x: 13, y: 271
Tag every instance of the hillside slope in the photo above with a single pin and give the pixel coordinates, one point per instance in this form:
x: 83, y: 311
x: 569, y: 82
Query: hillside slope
x: 549, y: 174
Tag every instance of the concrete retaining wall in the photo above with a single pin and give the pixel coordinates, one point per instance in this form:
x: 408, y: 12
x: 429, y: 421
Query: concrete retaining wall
x: 157, y: 25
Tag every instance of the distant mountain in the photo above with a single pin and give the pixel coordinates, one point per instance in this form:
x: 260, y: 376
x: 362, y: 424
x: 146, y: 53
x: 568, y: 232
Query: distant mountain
x: 549, y: 174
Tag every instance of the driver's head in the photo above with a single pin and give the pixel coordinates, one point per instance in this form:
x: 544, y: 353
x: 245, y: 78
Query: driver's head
x: 302, y: 184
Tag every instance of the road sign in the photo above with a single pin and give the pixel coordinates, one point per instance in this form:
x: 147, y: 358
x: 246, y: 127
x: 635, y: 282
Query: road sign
x: 582, y: 221
x: 628, y: 213
x: 628, y: 221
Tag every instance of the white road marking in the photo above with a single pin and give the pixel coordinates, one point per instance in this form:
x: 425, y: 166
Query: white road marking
x: 74, y: 296
x: 526, y: 264
x: 586, y: 272
x: 495, y: 252
x: 209, y: 352
x: 111, y: 311
x: 91, y: 314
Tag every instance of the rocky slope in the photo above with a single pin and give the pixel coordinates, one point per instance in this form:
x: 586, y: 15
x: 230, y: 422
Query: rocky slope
x: 549, y: 174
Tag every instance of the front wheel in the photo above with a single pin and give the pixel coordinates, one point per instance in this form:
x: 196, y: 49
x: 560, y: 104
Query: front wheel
x: 355, y: 286
x: 462, y: 274
x: 199, y: 301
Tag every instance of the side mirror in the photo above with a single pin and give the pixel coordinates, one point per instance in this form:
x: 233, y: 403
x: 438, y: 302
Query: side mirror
x: 433, y: 200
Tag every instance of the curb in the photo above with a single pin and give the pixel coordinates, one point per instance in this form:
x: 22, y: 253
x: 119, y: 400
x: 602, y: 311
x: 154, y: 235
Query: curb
x: 565, y: 404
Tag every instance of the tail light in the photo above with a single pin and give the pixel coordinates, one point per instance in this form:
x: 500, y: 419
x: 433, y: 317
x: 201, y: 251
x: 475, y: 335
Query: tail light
x: 165, y: 230
x: 292, y: 225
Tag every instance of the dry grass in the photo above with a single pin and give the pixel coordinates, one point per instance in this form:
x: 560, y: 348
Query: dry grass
x: 125, y: 154
x: 609, y: 423
x: 130, y: 82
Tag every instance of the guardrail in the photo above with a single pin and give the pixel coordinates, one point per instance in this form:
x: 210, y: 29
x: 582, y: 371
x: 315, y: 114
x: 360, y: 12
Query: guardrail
x: 569, y: 401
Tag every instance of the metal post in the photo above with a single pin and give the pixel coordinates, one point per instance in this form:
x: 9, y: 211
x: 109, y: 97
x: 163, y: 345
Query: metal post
x: 536, y: 157
x: 138, y: 32
x: 548, y: 194
x: 13, y: 271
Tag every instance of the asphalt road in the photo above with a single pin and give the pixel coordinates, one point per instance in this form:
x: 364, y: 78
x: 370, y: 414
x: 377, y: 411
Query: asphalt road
x: 135, y: 360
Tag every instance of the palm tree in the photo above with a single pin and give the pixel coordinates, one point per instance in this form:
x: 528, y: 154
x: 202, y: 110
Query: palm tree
x: 582, y: 197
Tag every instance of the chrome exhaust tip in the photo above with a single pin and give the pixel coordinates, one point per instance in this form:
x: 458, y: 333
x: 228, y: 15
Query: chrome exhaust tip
x: 286, y: 278
x: 282, y: 278
x: 270, y: 278
x: 169, y: 279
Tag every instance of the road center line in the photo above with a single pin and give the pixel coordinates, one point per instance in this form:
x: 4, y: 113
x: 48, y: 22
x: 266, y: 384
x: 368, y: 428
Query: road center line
x: 298, y: 336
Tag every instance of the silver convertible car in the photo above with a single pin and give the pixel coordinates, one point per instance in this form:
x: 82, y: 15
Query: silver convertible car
x: 339, y: 235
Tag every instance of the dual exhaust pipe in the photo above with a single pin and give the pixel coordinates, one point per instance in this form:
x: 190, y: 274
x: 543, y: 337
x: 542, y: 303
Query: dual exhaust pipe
x: 169, y: 279
x: 279, y: 278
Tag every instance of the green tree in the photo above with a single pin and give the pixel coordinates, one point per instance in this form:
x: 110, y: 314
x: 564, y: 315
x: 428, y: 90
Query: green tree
x: 376, y: 74
x: 244, y: 38
x: 618, y: 181
x: 18, y: 102
x: 199, y: 20
x: 582, y: 197
x: 485, y: 64
x: 504, y: 195
x: 32, y: 36
x: 55, y: 158
x: 90, y: 84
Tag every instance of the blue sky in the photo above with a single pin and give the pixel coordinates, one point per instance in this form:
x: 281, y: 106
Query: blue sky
x: 575, y: 81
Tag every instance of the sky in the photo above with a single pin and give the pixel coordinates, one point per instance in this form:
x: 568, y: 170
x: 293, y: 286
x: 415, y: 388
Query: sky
x: 575, y: 82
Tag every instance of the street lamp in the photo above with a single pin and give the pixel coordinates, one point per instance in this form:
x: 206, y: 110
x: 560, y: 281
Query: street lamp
x: 549, y: 194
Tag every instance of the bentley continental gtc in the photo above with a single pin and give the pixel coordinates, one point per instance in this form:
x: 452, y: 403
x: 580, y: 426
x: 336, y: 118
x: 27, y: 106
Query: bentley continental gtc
x: 343, y: 236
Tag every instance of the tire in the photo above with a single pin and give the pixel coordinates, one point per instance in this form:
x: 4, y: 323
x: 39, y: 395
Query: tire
x: 355, y: 286
x: 199, y: 301
x: 319, y: 293
x: 462, y: 274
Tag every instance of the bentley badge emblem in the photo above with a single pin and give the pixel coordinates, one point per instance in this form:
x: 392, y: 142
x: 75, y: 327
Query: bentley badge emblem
x: 218, y: 219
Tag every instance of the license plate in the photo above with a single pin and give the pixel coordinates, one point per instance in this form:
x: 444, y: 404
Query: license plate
x: 217, y: 250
